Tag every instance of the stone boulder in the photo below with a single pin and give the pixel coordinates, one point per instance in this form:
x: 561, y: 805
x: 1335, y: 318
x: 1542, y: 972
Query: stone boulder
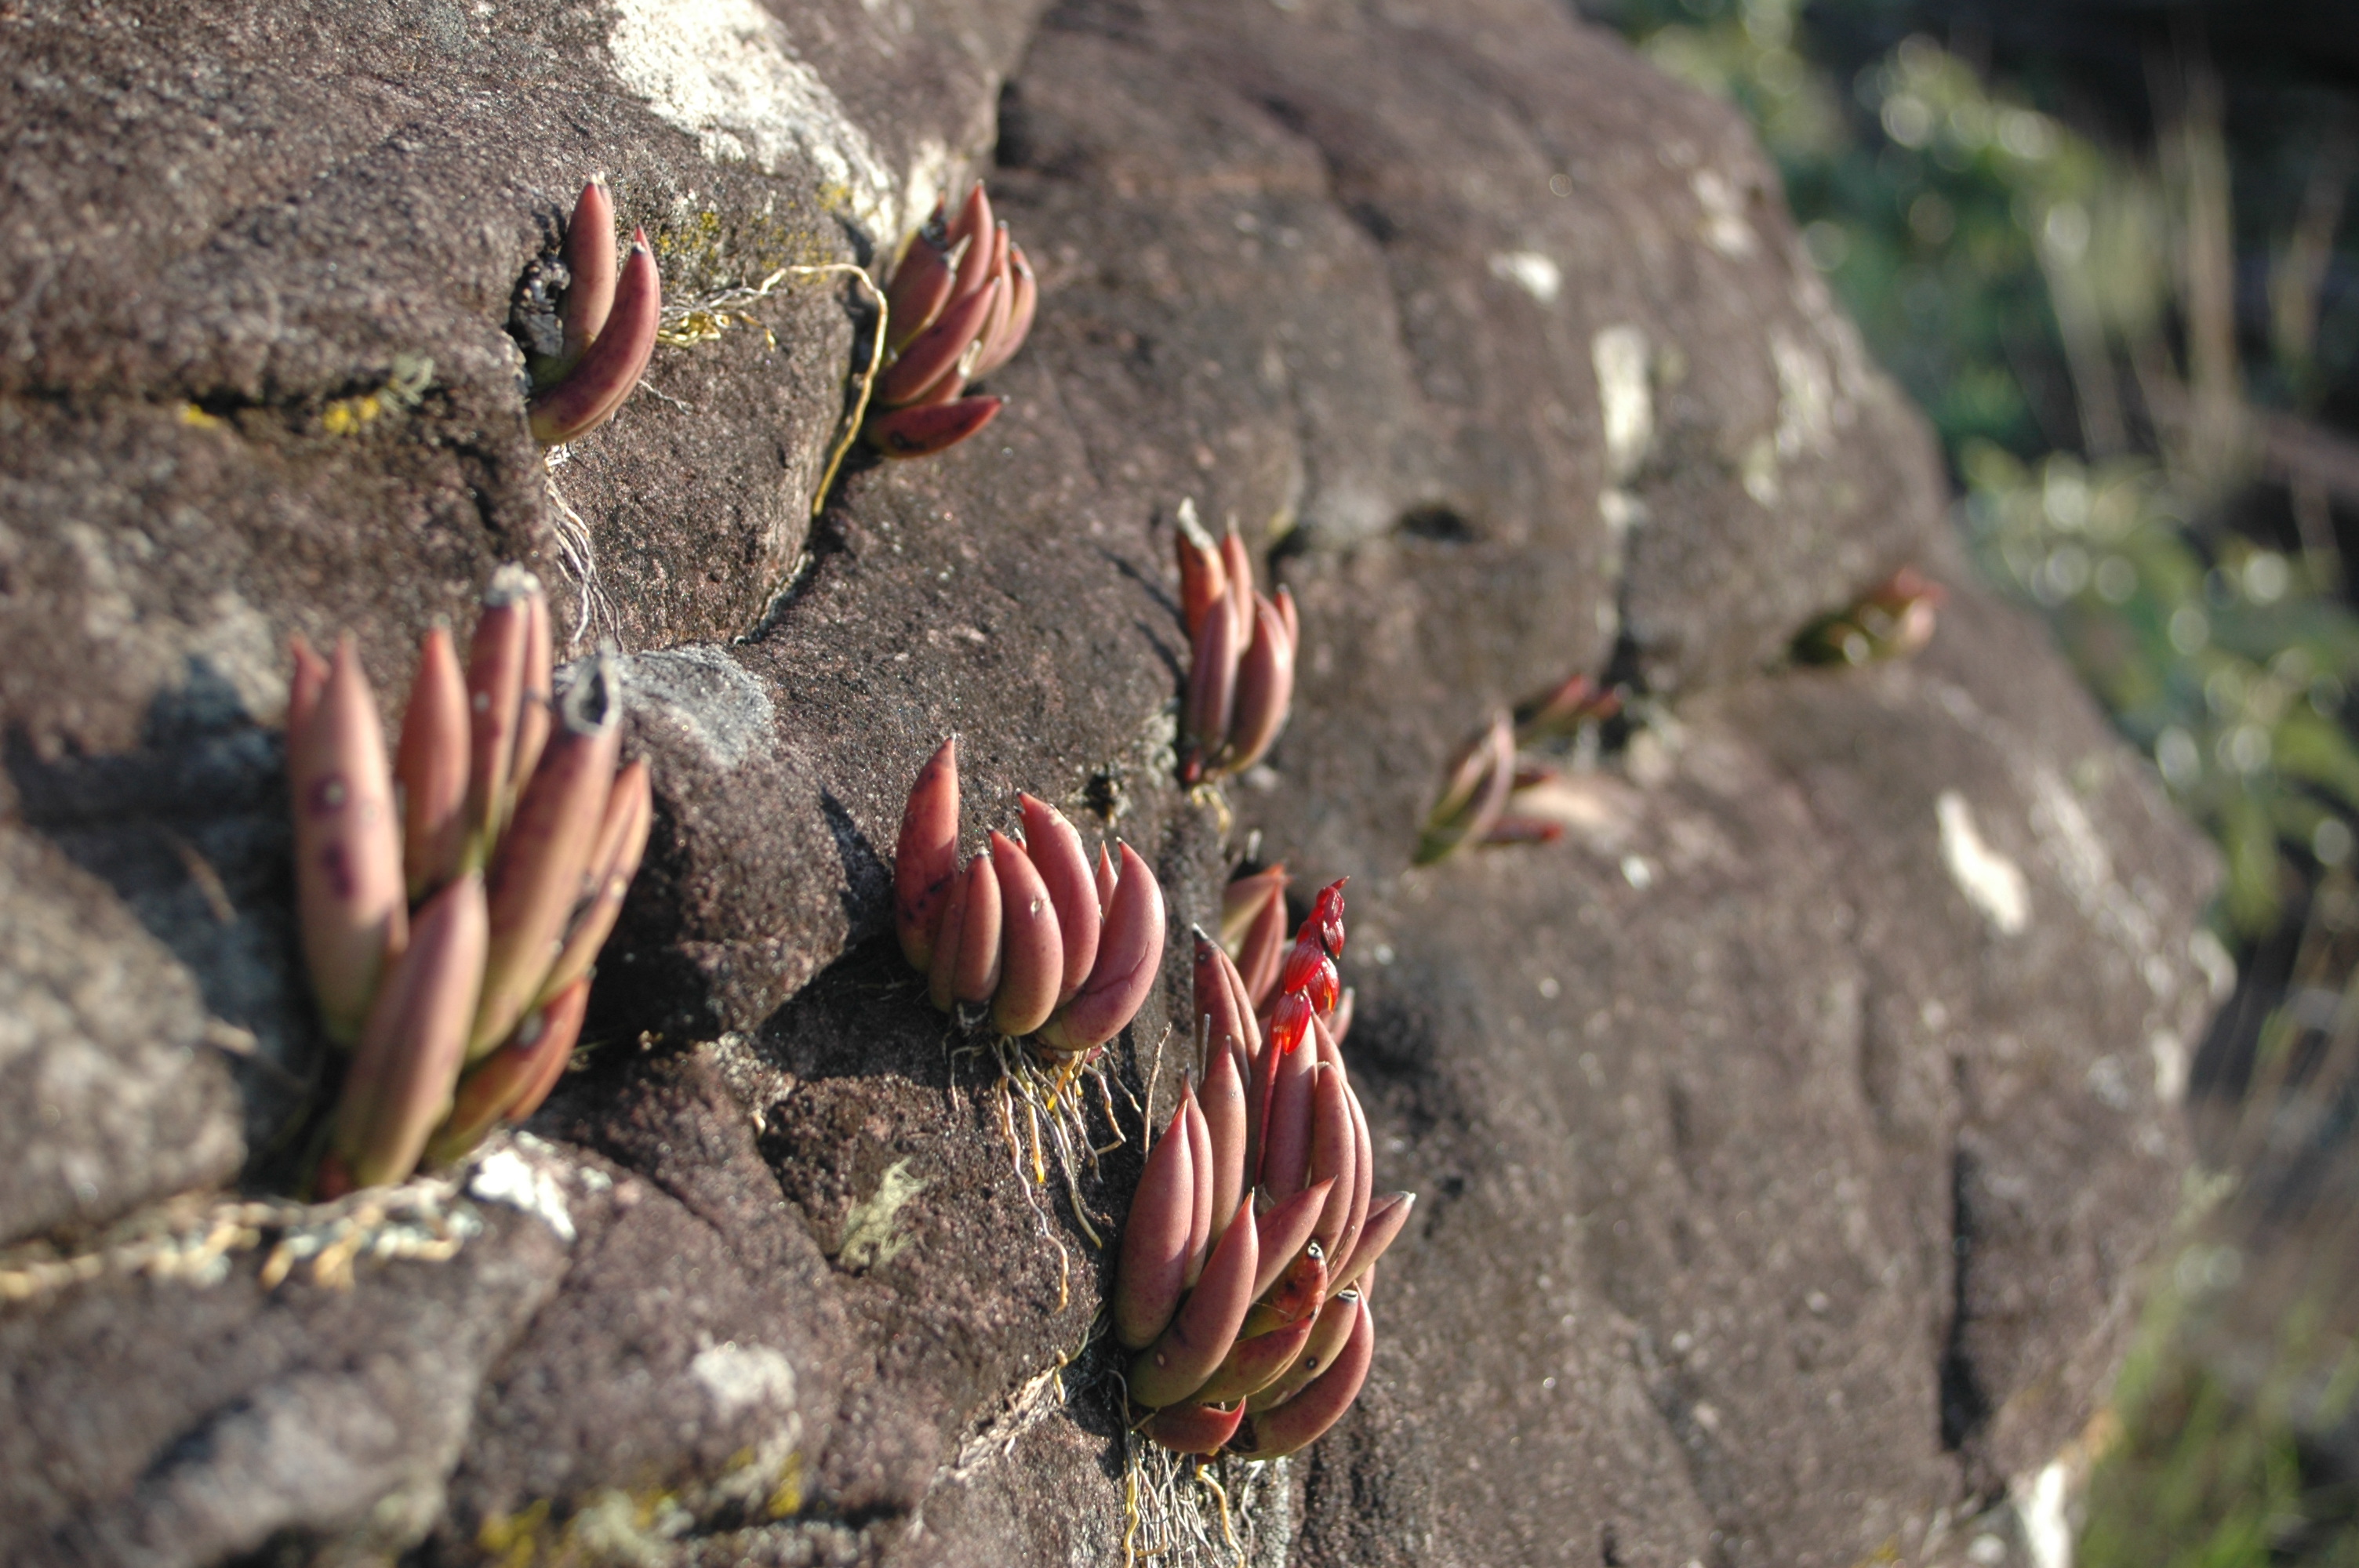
x: 1790, y: 1134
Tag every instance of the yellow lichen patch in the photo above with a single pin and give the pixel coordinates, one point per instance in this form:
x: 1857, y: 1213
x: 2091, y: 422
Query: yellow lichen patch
x: 509, y: 1540
x: 345, y: 415
x: 704, y: 253
x: 402, y: 391
x: 196, y: 418
x: 192, y: 1240
x: 786, y: 1498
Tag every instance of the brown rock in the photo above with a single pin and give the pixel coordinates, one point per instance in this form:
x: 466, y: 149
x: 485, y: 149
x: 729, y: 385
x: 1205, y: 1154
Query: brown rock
x: 1788, y: 1134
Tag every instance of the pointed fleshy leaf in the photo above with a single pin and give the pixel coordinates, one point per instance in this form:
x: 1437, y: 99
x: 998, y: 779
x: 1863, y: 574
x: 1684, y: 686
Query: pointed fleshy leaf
x: 974, y: 229
x: 1031, y: 949
x: 1008, y: 336
x: 498, y: 659
x: 1261, y: 1088
x: 920, y: 432
x: 613, y: 862
x: 1338, y: 1315
x: 537, y: 877
x: 1216, y: 1007
x: 1263, y: 949
x: 936, y: 352
x: 1106, y: 877
x: 1286, y: 1228
x: 1203, y: 578
x: 531, y: 1059
x: 1192, y: 1428
x: 921, y: 283
x: 1211, y: 689
x: 309, y: 678
x: 1265, y: 689
x: 1292, y: 617
x: 1576, y: 701
x: 1224, y: 1029
x: 1064, y: 866
x: 1286, y: 1146
x: 1386, y: 1216
x: 1130, y: 953
x: 1256, y: 1360
x: 925, y: 861
x: 430, y: 764
x: 1473, y: 821
x: 950, y: 938
x: 600, y: 384
x: 1223, y: 1102
x: 1149, y: 1276
x: 589, y: 252
x: 1002, y: 303
x: 563, y: 1015
x: 1244, y: 902
x: 349, y: 889
x: 1248, y: 1027
x: 535, y: 704
x: 1186, y: 1353
x: 1304, y: 1419
x: 1199, y: 1159
x: 1364, y: 1172
x: 1334, y: 1154
x: 1475, y: 796
x: 1238, y: 561
x: 974, y: 975
x: 398, y: 1087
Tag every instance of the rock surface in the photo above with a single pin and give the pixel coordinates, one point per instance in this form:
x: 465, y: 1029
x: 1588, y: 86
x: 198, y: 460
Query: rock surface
x: 1790, y: 1133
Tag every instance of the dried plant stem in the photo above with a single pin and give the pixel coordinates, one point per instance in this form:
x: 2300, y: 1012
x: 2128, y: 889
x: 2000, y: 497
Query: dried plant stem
x: 867, y: 377
x: 702, y: 321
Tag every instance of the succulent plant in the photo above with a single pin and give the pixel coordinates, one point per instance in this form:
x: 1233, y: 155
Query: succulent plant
x: 1252, y: 929
x: 960, y: 304
x: 1892, y: 621
x: 1057, y: 951
x: 1243, y: 1280
x: 453, y: 905
x: 608, y: 326
x: 1241, y: 663
x: 1477, y: 800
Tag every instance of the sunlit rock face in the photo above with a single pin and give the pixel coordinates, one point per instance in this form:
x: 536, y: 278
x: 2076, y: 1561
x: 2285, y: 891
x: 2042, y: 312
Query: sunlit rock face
x: 1789, y: 1134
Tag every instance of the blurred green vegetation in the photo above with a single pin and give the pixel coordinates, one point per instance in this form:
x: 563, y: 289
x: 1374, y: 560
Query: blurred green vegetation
x: 2066, y: 315
x: 2143, y: 466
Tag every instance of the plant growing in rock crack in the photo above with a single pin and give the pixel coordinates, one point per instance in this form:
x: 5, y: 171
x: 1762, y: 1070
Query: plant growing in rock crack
x: 1247, y: 1260
x: 1024, y: 927
x: 1241, y: 660
x: 588, y: 333
x: 452, y: 905
x: 1027, y: 941
x: 1891, y: 620
x: 1477, y: 802
x: 960, y: 304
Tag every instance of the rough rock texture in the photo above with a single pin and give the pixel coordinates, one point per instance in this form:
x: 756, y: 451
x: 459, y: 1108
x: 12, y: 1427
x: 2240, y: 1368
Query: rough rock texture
x: 1789, y: 1134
